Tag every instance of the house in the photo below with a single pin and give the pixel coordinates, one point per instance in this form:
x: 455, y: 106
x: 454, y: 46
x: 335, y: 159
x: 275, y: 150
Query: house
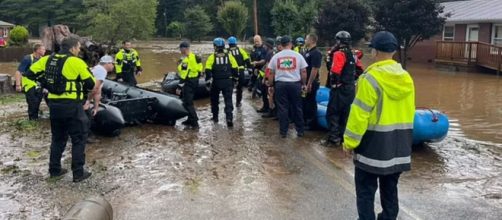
x: 477, y: 21
x: 4, y: 32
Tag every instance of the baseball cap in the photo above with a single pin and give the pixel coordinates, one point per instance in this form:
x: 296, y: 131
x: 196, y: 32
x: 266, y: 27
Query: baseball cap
x: 384, y: 41
x: 184, y: 44
x: 285, y: 39
x: 106, y: 59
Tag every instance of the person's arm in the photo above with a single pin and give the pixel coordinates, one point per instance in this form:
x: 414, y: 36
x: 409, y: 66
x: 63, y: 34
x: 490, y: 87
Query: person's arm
x: 360, y: 111
x: 139, y: 69
x: 209, y: 67
x: 235, y: 67
x: 96, y: 96
x: 118, y: 62
x: 316, y: 65
x: 17, y: 77
x: 36, y: 70
x: 19, y: 73
x: 339, y: 60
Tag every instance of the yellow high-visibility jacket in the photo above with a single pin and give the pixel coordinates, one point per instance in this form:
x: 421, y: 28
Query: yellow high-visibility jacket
x: 380, y: 123
x: 190, y: 67
x: 123, y: 59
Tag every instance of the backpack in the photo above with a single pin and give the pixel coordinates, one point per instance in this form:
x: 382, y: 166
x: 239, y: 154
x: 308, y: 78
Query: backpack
x: 53, y: 79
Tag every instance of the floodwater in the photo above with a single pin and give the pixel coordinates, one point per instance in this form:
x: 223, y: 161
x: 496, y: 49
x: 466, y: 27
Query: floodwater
x: 248, y: 172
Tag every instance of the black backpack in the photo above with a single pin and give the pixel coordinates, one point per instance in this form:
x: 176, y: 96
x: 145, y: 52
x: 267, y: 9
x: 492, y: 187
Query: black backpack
x: 53, y: 79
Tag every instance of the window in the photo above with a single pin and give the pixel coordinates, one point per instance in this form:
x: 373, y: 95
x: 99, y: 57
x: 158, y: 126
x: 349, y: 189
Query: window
x: 497, y: 35
x: 448, y: 33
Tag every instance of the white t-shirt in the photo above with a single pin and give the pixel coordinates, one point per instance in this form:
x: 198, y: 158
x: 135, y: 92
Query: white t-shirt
x: 287, y: 65
x: 99, y: 72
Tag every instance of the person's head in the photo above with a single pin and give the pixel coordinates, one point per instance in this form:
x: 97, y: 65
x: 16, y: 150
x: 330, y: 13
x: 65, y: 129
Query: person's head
x: 127, y: 44
x: 311, y: 40
x: 270, y: 43
x: 107, y: 62
x: 184, y: 48
x: 257, y: 41
x: 343, y: 39
x: 286, y: 42
x: 232, y: 41
x: 219, y: 44
x: 70, y: 45
x: 383, y: 46
x: 278, y: 45
x: 299, y: 41
x: 38, y: 50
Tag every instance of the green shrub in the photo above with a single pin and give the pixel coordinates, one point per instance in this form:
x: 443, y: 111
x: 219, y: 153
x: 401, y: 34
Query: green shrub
x: 18, y: 36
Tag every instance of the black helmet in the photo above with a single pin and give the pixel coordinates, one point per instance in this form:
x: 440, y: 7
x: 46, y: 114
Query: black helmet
x: 343, y: 37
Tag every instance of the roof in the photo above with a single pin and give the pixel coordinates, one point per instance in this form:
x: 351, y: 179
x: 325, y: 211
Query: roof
x: 3, y: 24
x: 473, y: 11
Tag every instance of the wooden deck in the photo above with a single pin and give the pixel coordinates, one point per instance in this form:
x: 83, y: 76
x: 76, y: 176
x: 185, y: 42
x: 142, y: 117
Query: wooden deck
x: 469, y: 54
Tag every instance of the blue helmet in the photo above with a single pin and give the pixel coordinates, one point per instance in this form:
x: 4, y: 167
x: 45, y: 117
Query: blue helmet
x: 300, y: 41
x: 232, y: 40
x: 219, y: 42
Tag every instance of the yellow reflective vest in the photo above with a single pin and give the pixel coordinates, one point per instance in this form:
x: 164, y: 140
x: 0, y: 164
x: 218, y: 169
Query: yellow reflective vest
x: 75, y: 70
x: 27, y: 83
x: 123, y: 59
x: 380, y: 123
x: 190, y: 67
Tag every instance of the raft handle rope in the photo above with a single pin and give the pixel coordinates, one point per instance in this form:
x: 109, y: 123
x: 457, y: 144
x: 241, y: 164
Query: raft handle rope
x: 435, y: 118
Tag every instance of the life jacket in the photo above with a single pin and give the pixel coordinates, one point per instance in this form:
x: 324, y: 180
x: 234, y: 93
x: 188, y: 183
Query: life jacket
x: 222, y: 68
x: 53, y: 79
x: 236, y: 52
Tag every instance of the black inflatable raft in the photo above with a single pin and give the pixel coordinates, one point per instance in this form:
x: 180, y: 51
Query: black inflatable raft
x: 108, y: 121
x: 140, y: 105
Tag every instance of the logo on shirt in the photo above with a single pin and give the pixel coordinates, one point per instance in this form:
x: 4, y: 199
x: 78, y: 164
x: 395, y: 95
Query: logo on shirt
x: 286, y: 63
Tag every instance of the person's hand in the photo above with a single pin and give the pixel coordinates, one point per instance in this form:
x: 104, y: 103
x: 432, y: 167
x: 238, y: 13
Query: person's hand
x: 19, y: 88
x: 139, y: 73
x: 348, y: 152
x: 178, y: 91
x: 45, y: 91
x: 87, y: 105
x: 94, y: 111
x: 309, y: 88
x: 304, y: 88
x: 271, y: 90
x: 253, y: 63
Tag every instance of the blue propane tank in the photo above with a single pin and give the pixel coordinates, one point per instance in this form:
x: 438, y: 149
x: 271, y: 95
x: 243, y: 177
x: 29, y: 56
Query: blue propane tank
x: 322, y: 94
x: 322, y: 108
x: 429, y: 126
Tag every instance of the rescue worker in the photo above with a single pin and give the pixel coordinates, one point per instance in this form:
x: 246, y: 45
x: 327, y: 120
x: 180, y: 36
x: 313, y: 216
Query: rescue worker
x: 68, y: 80
x: 33, y: 92
x: 380, y: 129
x: 299, y: 43
x: 128, y: 64
x: 313, y: 56
x: 257, y: 62
x: 242, y: 58
x: 342, y: 81
x: 189, y: 69
x: 221, y: 71
x: 288, y: 69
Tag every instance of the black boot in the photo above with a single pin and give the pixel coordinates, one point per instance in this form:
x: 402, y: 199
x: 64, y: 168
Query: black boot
x: 86, y: 174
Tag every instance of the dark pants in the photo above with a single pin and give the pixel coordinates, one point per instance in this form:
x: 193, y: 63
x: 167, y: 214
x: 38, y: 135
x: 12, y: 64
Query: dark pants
x: 187, y: 98
x: 68, y: 119
x: 310, y: 106
x: 240, y: 86
x: 224, y: 86
x: 338, y: 111
x: 366, y: 186
x: 34, y: 97
x: 129, y: 77
x: 264, y: 95
x: 288, y: 96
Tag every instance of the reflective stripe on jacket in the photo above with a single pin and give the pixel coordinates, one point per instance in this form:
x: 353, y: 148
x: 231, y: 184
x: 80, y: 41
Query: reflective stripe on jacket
x: 380, y: 123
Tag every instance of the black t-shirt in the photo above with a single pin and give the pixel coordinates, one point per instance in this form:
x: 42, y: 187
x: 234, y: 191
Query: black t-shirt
x: 258, y: 54
x: 314, y: 59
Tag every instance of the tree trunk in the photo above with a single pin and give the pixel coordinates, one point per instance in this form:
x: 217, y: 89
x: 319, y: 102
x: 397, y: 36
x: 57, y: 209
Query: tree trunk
x: 5, y: 83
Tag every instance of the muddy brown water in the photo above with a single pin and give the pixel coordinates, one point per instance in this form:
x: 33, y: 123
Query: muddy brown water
x: 249, y: 172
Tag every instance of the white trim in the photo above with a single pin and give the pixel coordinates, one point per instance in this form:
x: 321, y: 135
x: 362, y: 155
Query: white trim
x: 469, y: 26
x: 493, y: 33
x: 444, y: 27
x: 382, y: 163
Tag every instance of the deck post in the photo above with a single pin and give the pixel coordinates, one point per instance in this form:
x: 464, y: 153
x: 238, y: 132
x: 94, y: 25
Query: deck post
x: 470, y: 54
x: 499, y: 58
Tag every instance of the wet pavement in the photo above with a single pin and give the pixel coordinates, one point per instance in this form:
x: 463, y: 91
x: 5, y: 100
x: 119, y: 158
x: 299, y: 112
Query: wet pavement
x: 248, y: 172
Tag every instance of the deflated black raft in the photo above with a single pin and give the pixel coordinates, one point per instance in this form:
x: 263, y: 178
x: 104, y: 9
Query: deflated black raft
x: 123, y: 104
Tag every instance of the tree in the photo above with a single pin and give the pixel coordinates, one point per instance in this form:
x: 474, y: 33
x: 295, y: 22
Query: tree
x: 107, y: 21
x: 167, y: 12
x: 197, y: 23
x: 338, y: 15
x: 410, y: 21
x: 176, y: 29
x: 285, y: 18
x: 233, y: 16
x: 18, y: 36
x: 308, y: 13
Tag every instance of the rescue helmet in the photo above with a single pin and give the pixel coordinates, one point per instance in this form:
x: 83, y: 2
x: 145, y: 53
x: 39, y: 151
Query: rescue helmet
x: 343, y: 37
x: 219, y: 42
x: 232, y: 40
x: 300, y: 41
